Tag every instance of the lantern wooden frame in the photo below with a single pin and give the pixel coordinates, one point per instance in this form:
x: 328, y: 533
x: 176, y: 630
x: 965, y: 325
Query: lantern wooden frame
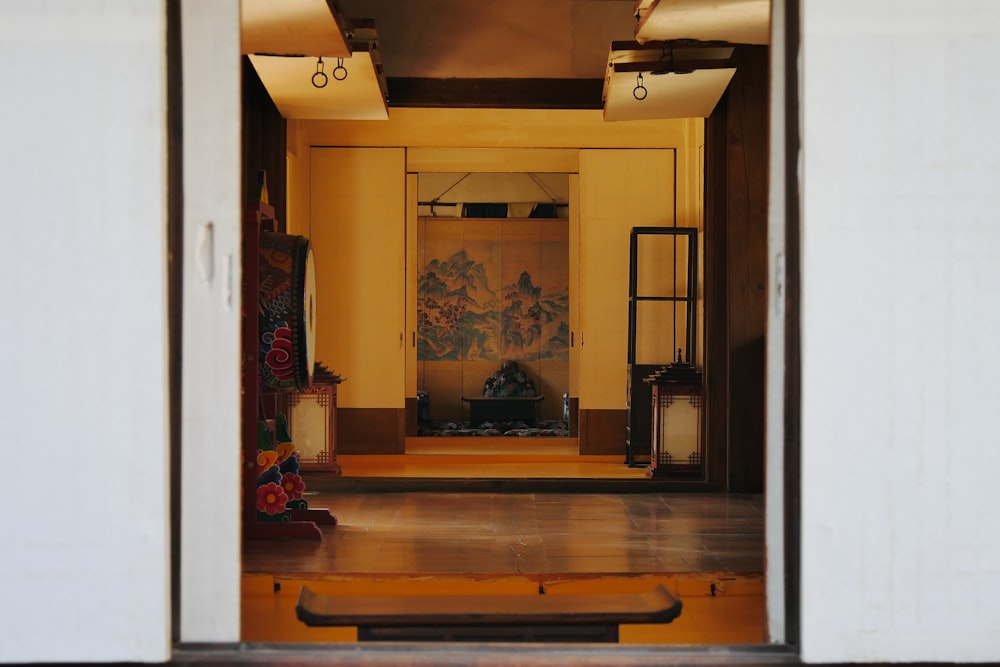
x: 674, y: 386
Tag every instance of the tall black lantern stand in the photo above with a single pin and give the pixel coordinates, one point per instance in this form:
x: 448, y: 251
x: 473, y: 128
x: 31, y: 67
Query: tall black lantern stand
x: 678, y: 443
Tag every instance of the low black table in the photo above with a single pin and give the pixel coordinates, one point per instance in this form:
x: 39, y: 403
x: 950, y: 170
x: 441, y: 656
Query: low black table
x: 503, y: 408
x: 566, y: 617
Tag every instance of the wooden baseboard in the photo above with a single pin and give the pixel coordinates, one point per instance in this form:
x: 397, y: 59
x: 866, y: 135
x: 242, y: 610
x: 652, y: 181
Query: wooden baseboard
x: 411, y: 416
x: 574, y: 417
x: 371, y: 430
x: 602, y: 432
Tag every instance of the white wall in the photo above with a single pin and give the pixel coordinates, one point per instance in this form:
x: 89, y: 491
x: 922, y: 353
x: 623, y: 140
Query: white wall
x: 900, y: 331
x: 83, y: 347
x: 210, y: 392
x: 900, y: 551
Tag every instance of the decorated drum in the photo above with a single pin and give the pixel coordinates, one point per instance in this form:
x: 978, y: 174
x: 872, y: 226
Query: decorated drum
x: 287, y: 312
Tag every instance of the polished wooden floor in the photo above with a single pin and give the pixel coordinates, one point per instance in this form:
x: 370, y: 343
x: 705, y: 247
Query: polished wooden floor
x: 489, y: 458
x: 707, y: 548
x: 524, y: 533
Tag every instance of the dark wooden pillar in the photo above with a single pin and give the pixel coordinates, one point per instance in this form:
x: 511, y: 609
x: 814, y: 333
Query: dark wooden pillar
x: 736, y: 192
x: 264, y: 143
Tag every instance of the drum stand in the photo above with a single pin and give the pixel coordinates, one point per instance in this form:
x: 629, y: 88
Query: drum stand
x: 301, y: 524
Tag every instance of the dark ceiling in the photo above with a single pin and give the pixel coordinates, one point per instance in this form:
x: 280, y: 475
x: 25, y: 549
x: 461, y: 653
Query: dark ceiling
x: 496, y: 53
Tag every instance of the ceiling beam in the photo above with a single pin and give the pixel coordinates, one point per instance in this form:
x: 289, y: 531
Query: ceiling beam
x: 495, y: 93
x: 681, y: 65
x: 659, y: 45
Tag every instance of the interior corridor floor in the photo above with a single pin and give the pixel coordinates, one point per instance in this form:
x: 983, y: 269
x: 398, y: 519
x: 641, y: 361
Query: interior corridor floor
x: 708, y: 549
x: 524, y: 533
x: 503, y: 516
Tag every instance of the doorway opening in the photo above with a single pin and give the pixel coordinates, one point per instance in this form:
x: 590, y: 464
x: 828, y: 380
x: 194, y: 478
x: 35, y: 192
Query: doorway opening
x: 791, y: 480
x: 492, y: 305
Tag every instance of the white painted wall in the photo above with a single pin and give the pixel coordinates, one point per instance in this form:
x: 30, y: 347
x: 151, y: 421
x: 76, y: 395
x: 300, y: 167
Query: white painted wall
x: 83, y: 347
x: 211, y: 426
x: 900, y: 331
x: 900, y: 554
x: 774, y: 458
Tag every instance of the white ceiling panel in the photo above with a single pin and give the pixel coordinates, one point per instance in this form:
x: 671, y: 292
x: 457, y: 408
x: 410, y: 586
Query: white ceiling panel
x: 735, y: 21
x: 691, y: 95
x: 706, y: 72
x: 289, y: 81
x: 293, y: 27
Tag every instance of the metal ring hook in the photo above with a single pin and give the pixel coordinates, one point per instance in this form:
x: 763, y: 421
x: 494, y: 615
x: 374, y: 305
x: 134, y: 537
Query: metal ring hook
x: 639, y: 92
x: 340, y: 72
x: 319, y: 75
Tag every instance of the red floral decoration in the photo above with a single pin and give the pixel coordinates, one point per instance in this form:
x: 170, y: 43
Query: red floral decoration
x: 271, y: 499
x: 293, y: 485
x: 280, y: 358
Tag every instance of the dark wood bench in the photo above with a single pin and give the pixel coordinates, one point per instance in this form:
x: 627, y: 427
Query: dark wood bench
x: 571, y: 617
x: 503, y: 408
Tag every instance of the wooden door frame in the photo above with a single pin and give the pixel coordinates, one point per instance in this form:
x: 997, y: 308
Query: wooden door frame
x: 784, y: 165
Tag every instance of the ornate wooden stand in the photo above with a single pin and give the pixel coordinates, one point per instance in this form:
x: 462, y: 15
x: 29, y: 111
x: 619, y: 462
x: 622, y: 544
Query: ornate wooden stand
x: 293, y: 523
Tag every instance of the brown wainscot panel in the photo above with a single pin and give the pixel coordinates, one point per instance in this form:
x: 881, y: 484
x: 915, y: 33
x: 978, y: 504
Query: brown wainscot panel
x: 574, y: 417
x: 371, y: 430
x: 411, y: 416
x: 602, y: 432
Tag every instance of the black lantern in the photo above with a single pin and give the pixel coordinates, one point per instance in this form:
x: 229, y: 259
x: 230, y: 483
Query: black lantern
x: 678, y: 448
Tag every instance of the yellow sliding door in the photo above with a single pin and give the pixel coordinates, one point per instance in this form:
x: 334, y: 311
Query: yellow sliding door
x: 619, y: 190
x: 357, y: 207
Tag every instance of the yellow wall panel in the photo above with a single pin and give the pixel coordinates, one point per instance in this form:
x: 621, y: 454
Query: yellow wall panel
x: 412, y: 261
x: 690, y: 175
x: 574, y: 285
x: 619, y: 189
x: 618, y: 186
x: 491, y: 159
x: 498, y: 128
x: 358, y: 222
x: 297, y: 183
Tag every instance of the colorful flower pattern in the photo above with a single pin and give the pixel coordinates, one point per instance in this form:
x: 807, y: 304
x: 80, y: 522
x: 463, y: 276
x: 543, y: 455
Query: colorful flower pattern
x: 271, y: 499
x: 293, y: 485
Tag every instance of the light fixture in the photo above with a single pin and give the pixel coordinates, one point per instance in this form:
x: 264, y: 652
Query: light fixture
x: 678, y: 443
x: 639, y: 92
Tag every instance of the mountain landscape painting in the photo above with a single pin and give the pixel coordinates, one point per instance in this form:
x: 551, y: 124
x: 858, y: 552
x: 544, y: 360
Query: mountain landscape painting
x: 534, y: 325
x: 458, y: 313
x: 461, y: 317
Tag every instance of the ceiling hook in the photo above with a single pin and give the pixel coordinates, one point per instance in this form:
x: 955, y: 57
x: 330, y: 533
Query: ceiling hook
x: 639, y: 92
x: 340, y: 72
x: 319, y: 79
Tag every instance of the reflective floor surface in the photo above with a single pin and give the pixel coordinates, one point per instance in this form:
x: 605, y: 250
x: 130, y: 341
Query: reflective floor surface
x: 524, y: 533
x: 708, y: 549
